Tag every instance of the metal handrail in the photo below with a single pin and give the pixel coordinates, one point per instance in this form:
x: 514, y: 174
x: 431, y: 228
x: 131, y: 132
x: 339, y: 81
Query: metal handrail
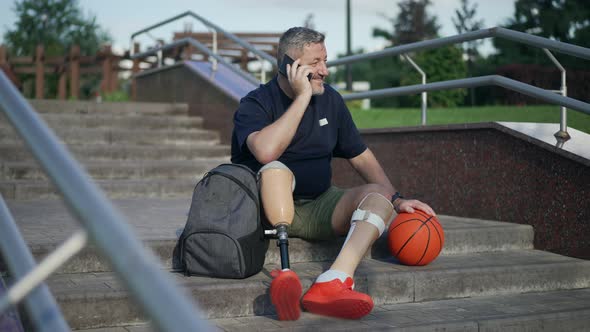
x: 473, y: 82
x: 525, y: 38
x: 203, y: 48
x: 154, y: 290
x: 521, y: 37
x: 44, y: 313
x: 229, y: 35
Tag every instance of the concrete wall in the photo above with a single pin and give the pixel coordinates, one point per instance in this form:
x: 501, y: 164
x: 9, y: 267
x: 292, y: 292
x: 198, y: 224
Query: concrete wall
x: 484, y: 171
x: 179, y: 85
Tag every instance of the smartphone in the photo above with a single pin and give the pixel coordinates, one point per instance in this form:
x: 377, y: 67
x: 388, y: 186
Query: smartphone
x: 283, y: 66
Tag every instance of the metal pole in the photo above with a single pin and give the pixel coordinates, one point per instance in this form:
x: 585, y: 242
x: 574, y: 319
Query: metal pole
x: 214, y: 66
x: 348, y: 48
x: 50, y: 264
x: 497, y: 80
x: 528, y: 39
x: 521, y: 37
x: 424, y: 93
x: 262, y: 71
x: 151, y: 287
x: 41, y: 307
x: 562, y: 133
x: 413, y: 47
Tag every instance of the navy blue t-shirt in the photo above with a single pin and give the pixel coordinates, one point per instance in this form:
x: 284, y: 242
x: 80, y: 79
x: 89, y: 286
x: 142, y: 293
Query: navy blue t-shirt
x: 326, y: 129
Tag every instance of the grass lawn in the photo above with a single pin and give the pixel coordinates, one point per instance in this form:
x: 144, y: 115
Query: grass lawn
x: 399, y: 117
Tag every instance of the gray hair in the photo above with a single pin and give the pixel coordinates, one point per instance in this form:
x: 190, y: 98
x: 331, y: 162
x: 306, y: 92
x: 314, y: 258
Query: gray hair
x: 296, y: 39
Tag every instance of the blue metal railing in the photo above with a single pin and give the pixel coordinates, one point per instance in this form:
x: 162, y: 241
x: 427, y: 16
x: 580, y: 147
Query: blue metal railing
x: 153, y: 289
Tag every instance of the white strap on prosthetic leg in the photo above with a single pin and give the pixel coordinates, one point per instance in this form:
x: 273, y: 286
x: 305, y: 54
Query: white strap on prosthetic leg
x: 370, y: 217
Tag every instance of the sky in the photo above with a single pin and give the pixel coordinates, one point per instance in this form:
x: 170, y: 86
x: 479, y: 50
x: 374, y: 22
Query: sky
x: 121, y: 18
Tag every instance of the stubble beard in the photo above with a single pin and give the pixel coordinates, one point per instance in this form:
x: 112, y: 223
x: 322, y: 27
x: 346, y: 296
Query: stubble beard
x: 317, y: 91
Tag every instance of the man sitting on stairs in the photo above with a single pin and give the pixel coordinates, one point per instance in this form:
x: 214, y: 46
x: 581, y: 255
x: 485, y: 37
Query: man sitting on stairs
x: 287, y: 130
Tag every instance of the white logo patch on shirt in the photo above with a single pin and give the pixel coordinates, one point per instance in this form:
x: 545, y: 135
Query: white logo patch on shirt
x: 323, y: 122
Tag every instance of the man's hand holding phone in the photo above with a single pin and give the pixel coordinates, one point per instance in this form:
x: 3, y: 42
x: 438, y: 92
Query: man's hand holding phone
x: 299, y: 76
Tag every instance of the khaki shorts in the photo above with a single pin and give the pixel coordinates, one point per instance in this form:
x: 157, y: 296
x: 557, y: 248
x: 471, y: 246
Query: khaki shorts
x: 313, y: 218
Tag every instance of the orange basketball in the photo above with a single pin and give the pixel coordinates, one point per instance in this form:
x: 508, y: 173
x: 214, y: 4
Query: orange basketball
x: 415, y: 238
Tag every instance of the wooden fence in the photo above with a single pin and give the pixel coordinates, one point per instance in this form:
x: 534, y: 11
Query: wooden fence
x: 70, y: 68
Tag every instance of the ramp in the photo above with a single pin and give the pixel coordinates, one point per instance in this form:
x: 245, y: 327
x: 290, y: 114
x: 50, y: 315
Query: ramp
x: 223, y: 78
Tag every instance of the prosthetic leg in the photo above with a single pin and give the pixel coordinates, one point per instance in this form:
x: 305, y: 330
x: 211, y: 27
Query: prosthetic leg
x: 276, y: 188
x: 332, y: 294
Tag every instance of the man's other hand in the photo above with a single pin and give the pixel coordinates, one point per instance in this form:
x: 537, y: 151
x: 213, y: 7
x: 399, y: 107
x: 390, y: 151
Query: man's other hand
x: 411, y: 205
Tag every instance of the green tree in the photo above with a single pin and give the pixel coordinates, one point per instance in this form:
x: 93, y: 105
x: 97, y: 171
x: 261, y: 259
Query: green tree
x: 57, y: 25
x: 464, y: 21
x: 412, y: 24
x: 564, y: 20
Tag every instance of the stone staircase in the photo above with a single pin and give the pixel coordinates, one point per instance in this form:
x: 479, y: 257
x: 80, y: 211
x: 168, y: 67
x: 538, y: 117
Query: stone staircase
x: 488, y: 277
x: 150, y: 149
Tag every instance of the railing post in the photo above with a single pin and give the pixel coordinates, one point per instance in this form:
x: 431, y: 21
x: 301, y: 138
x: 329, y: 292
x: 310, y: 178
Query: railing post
x: 106, y: 70
x: 262, y: 71
x: 134, y: 71
x: 244, y: 60
x: 3, y: 58
x: 62, y: 84
x: 424, y: 94
x: 215, y: 51
x: 74, y: 71
x: 562, y: 133
x: 114, y: 72
x: 39, y: 73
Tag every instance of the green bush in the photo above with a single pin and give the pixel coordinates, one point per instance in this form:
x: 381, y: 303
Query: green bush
x: 116, y: 96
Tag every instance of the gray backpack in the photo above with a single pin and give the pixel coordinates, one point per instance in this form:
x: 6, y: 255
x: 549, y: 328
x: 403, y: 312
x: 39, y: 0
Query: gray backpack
x: 223, y: 236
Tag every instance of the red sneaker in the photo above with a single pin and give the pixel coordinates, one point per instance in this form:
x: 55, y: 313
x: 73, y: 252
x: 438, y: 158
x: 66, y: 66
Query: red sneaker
x: 285, y: 292
x: 337, y: 299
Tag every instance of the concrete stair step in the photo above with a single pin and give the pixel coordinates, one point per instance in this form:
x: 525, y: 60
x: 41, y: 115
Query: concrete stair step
x: 122, y: 188
x: 121, y: 169
x: 485, y: 239
x: 113, y: 120
x: 158, y: 223
x: 122, y: 136
x: 567, y: 310
x: 74, y: 106
x: 19, y: 152
x: 95, y: 299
